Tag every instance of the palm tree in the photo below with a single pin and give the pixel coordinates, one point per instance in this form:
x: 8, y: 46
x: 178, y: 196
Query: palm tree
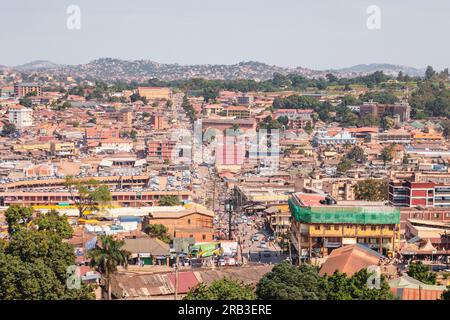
x: 107, y: 256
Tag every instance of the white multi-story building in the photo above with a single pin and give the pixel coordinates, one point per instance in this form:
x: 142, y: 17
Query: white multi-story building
x: 20, y: 116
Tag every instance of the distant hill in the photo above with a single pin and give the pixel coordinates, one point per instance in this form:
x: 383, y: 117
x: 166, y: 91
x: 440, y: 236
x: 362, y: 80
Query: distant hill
x: 37, y: 65
x: 389, y: 69
x: 142, y: 70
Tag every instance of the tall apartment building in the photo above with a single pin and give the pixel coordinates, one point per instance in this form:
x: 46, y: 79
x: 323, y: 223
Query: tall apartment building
x: 419, y: 194
x: 22, y: 89
x: 20, y: 116
x: 160, y: 149
x: 319, y: 224
x: 377, y: 110
x: 158, y: 122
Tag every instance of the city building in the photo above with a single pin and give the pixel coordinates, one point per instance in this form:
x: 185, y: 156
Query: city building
x: 153, y: 93
x: 192, y: 221
x: 20, y: 116
x: 419, y: 194
x: 239, y: 112
x: 324, y: 138
x: 160, y: 149
x: 320, y: 224
x: 377, y: 110
x: 22, y: 89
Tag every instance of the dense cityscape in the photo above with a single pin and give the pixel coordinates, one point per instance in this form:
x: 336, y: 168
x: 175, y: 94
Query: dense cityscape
x: 194, y: 190
x: 224, y: 159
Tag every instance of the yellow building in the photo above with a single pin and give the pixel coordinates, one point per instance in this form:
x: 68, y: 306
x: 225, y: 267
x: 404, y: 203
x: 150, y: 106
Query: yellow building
x: 31, y: 146
x: 320, y: 224
x: 152, y: 93
x: 62, y: 148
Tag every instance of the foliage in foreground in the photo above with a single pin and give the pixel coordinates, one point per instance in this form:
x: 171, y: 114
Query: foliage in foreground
x: 223, y: 289
x: 288, y: 282
x: 33, y: 264
x: 421, y: 272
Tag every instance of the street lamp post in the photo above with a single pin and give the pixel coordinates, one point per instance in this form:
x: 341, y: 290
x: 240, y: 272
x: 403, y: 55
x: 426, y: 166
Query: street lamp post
x: 229, y: 209
x: 446, y: 248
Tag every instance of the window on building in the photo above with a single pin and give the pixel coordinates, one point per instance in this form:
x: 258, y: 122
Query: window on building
x: 203, y: 236
x: 327, y: 227
x: 363, y: 228
x: 317, y: 227
x: 189, y: 221
x: 373, y: 228
x: 336, y: 228
x: 437, y: 215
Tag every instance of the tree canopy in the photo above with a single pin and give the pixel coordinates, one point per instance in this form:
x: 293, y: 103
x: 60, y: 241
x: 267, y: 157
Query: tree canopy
x: 169, y: 201
x: 288, y: 282
x: 107, y: 256
x: 158, y: 231
x: 421, y: 272
x: 371, y: 190
x: 87, y: 194
x: 223, y: 289
x: 34, y: 263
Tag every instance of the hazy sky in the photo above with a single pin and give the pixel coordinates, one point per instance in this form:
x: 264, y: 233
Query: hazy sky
x: 310, y: 33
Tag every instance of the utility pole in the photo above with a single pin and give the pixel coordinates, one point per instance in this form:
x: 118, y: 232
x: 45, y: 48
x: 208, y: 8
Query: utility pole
x: 446, y: 248
x: 290, y: 254
x: 229, y: 225
x: 214, y: 192
x: 176, y: 277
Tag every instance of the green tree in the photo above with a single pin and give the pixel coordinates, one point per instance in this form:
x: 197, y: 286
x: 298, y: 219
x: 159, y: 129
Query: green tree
x: 87, y: 194
x: 359, y: 289
x: 33, y: 266
x: 169, y: 201
x: 308, y: 127
x: 17, y: 217
x: 387, y: 154
x: 158, y: 231
x: 371, y: 190
x: 344, y: 165
x: 210, y: 94
x: 380, y: 97
x: 55, y: 222
x: 223, y: 289
x: 8, y: 128
x: 421, y: 272
x: 357, y: 154
x: 26, y: 102
x: 288, y: 282
x: 386, y: 123
x: 429, y: 73
x: 107, y: 256
x: 446, y: 294
x: 346, y: 117
x: 369, y: 121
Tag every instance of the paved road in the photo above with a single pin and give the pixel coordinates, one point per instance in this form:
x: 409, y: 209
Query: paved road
x: 253, y: 251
